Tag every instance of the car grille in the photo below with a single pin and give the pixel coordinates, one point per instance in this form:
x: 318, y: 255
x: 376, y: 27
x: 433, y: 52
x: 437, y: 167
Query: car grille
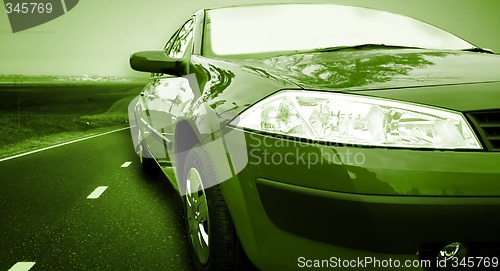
x: 487, y: 124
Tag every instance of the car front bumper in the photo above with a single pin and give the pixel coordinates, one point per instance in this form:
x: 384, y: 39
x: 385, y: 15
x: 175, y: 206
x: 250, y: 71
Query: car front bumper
x: 387, y: 204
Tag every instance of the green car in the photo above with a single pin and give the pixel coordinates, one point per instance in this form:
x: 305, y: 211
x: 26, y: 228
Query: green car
x: 323, y: 136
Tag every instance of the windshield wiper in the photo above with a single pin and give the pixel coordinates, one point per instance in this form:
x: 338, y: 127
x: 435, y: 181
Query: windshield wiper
x: 338, y: 48
x: 364, y: 46
x: 479, y: 50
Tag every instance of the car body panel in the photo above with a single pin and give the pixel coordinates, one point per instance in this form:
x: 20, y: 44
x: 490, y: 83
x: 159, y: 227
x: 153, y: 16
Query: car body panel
x: 373, y: 171
x: 367, y: 69
x: 275, y: 236
x: 462, y: 97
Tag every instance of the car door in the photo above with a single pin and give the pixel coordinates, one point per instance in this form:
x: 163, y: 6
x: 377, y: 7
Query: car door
x: 167, y: 96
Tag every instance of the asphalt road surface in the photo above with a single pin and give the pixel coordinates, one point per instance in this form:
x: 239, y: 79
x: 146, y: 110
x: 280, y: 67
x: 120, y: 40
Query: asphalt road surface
x: 46, y: 217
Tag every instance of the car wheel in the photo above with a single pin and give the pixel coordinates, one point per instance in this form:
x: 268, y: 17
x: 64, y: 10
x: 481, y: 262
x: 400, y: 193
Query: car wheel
x: 211, y: 235
x: 147, y: 164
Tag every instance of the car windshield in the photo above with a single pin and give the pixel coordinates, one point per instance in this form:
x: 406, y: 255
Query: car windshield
x: 282, y: 28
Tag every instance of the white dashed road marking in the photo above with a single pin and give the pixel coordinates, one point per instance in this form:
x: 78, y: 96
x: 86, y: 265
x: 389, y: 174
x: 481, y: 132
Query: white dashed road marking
x: 22, y: 266
x: 97, y: 192
x: 126, y: 164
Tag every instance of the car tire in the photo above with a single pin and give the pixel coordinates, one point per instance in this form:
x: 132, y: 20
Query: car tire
x: 147, y: 164
x: 211, y: 235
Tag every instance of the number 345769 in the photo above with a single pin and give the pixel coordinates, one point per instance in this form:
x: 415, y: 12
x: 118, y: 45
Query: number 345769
x: 31, y: 8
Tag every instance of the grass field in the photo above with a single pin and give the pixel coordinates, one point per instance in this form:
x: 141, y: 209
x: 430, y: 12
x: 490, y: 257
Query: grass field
x: 38, y: 115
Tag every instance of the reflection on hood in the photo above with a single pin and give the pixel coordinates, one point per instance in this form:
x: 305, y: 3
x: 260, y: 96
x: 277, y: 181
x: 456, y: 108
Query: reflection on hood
x: 379, y: 68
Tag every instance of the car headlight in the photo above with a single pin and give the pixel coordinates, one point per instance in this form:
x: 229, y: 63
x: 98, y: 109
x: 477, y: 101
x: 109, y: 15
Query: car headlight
x: 357, y: 120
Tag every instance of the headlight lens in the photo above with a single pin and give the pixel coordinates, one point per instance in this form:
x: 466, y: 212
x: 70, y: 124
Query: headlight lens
x: 353, y: 119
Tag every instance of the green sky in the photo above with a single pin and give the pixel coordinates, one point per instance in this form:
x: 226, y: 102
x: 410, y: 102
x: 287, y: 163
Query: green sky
x: 97, y: 36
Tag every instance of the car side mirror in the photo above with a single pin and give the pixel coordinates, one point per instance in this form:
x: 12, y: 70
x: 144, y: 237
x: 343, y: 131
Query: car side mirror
x: 155, y: 61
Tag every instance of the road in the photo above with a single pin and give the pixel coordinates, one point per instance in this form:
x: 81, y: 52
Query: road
x: 47, y: 219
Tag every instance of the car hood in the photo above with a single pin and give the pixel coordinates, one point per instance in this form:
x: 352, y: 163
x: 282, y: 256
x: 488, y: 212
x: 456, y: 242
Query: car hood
x: 376, y: 69
x: 451, y: 78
